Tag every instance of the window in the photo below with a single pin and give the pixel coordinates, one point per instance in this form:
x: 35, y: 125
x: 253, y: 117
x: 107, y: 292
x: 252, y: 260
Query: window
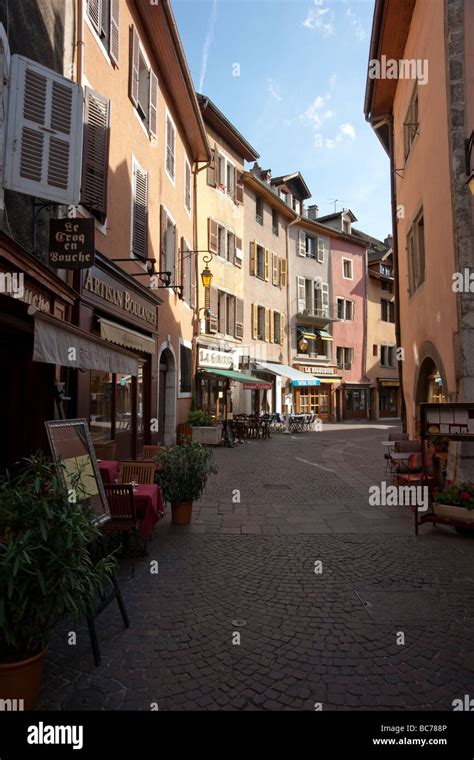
x: 143, y: 86
x: 275, y: 222
x: 260, y: 268
x: 187, y: 186
x: 188, y: 275
x: 344, y: 357
x: 168, y: 243
x: 387, y: 286
x: 340, y: 308
x: 230, y: 179
x: 185, y: 369
x: 230, y: 246
x: 375, y: 349
x: 346, y: 226
x: 226, y: 313
x: 226, y: 179
x: 316, y: 346
x: 411, y: 124
x: 296, y: 205
x: 388, y: 310
x: 221, y: 242
x: 345, y: 309
x: 101, y: 390
x: 349, y: 311
x: 261, y: 322
x: 416, y: 253
x: 386, y: 270
x: 387, y: 356
x: 277, y: 327
x: 310, y: 247
x: 104, y: 16
x: 322, y: 248
x: 347, y: 269
x: 259, y: 209
x: 139, y: 210
x: 170, y: 147
x: 95, y: 158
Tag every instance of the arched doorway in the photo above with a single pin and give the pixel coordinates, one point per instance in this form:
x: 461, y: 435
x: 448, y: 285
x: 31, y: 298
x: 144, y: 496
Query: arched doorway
x: 167, y: 397
x: 430, y: 386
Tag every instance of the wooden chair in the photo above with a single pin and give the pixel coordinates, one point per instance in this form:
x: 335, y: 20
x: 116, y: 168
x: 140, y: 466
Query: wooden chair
x: 123, y: 516
x: 106, y: 450
x: 150, y: 453
x: 139, y: 472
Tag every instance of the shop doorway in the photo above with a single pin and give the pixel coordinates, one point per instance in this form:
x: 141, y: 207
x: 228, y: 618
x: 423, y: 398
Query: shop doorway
x: 167, y: 397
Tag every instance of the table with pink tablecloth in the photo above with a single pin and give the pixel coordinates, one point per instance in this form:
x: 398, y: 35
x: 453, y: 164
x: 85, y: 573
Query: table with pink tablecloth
x: 149, y: 505
x: 109, y: 470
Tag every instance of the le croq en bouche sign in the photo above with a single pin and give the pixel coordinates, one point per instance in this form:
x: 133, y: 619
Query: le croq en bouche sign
x: 71, y: 243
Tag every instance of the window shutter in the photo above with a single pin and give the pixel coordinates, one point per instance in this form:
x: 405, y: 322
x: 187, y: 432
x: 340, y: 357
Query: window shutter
x: 213, y: 307
x: 211, y: 169
x: 301, y: 291
x: 282, y: 328
x: 94, y: 11
x: 267, y: 264
x: 181, y: 278
x: 254, y: 321
x: 238, y: 252
x: 95, y: 155
x: 232, y: 320
x: 272, y: 325
x: 222, y: 313
x: 153, y: 105
x: 267, y: 325
x: 140, y: 212
x: 134, y: 73
x: 321, y: 249
x: 283, y: 273
x: 173, y: 252
x: 231, y: 252
x: 275, y: 269
x: 253, y: 257
x: 163, y: 238
x: 44, y: 133
x: 192, y: 270
x: 301, y: 244
x: 239, y: 188
x: 324, y: 295
x: 212, y: 235
x: 239, y: 318
x: 114, y: 49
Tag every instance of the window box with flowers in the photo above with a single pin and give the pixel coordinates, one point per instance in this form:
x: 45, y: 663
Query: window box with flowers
x: 455, y: 502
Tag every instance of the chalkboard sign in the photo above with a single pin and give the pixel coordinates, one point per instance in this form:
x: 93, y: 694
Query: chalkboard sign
x: 76, y: 465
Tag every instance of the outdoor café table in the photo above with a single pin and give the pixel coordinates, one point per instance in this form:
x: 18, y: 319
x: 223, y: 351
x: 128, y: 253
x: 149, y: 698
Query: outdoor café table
x: 149, y: 505
x: 109, y: 470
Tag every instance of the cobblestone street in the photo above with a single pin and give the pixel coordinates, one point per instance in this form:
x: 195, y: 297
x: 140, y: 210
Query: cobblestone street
x: 248, y: 568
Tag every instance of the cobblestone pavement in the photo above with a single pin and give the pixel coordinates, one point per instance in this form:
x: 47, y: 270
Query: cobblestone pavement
x: 387, y: 624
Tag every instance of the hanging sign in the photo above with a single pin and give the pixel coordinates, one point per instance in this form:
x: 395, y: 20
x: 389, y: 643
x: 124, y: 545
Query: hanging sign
x: 71, y: 243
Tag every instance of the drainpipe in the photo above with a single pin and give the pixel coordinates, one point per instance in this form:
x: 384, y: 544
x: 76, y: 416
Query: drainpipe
x: 288, y: 309
x: 80, y: 42
x: 196, y: 312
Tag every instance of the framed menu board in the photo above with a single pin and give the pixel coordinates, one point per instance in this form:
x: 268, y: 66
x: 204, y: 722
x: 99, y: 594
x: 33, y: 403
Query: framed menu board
x: 76, y: 465
x: 453, y: 421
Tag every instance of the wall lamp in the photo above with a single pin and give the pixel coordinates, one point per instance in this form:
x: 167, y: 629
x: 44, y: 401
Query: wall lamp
x: 468, y: 144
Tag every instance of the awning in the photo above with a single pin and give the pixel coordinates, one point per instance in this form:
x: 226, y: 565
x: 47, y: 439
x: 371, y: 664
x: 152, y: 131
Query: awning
x: 66, y: 345
x: 297, y: 378
x: 122, y: 336
x: 253, y: 382
x: 329, y: 379
x: 324, y: 335
x: 308, y: 336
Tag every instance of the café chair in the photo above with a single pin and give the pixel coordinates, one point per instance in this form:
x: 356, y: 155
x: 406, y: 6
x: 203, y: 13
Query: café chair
x: 106, y: 450
x: 150, y: 452
x: 138, y: 472
x: 123, y: 517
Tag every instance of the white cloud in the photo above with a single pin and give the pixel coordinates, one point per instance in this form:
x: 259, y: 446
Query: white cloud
x: 207, y: 44
x: 321, y: 19
x: 274, y: 90
x: 359, y: 30
x: 348, y: 130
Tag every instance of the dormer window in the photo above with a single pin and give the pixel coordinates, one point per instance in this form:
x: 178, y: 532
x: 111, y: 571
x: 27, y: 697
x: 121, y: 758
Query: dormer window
x: 346, y: 225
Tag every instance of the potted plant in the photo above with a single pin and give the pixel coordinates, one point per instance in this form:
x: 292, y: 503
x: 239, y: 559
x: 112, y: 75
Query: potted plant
x: 204, y: 428
x: 46, y: 571
x: 184, y: 473
x: 455, y: 501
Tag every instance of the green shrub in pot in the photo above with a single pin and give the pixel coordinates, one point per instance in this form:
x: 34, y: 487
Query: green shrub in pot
x: 199, y: 418
x: 183, y: 476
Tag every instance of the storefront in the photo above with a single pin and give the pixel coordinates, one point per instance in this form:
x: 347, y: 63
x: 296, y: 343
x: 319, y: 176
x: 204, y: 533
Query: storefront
x: 318, y: 399
x: 389, y: 398
x: 355, y: 401
x: 121, y: 406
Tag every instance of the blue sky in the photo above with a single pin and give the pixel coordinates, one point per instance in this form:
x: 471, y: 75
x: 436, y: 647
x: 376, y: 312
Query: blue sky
x: 299, y: 94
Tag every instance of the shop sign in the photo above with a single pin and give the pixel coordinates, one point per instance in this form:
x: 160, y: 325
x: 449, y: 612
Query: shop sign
x: 13, y: 284
x: 71, y: 243
x: 262, y: 386
x: 120, y: 299
x: 315, y: 370
x: 209, y: 357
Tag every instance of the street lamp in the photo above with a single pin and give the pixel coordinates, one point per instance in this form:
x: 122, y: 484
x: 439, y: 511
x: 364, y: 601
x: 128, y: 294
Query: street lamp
x: 206, y: 274
x: 303, y: 344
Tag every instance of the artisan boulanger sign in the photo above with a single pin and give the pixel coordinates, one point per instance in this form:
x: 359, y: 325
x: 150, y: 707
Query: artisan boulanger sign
x: 118, y: 298
x: 71, y: 243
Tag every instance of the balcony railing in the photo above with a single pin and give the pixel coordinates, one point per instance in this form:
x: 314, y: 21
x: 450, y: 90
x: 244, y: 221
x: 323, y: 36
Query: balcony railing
x: 305, y: 308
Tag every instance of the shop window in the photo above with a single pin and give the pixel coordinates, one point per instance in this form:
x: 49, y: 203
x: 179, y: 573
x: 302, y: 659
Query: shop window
x: 123, y: 403
x: 356, y: 400
x: 140, y: 401
x: 101, y: 393
x: 185, y: 369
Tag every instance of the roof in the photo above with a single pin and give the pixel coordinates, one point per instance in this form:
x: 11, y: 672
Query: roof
x: 335, y: 214
x: 165, y: 42
x: 221, y: 124
x: 372, y: 241
x: 296, y: 177
x: 250, y: 178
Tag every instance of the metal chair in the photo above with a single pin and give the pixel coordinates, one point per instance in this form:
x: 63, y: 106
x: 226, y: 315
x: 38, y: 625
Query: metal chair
x: 138, y: 472
x: 123, y: 520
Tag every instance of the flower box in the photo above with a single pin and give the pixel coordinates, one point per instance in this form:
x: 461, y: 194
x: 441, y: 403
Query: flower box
x: 208, y: 436
x: 458, y: 514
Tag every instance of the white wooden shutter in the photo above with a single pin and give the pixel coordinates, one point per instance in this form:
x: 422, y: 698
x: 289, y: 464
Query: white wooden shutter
x: 140, y: 211
x: 153, y: 105
x: 114, y: 47
x: 301, y: 244
x: 134, y: 75
x: 94, y: 11
x: 324, y: 297
x: 301, y: 291
x: 44, y: 133
x: 322, y: 248
x: 95, y: 159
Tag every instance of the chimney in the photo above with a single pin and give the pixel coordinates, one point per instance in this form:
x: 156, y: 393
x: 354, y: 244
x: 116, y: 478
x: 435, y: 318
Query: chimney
x: 388, y: 241
x: 313, y: 213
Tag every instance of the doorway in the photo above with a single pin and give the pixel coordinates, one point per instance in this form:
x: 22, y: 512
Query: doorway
x: 167, y: 397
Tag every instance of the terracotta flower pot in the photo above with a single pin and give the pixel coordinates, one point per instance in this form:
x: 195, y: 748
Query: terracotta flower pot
x: 181, y: 512
x: 21, y: 680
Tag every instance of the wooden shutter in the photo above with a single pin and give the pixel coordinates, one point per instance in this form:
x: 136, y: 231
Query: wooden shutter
x: 239, y: 318
x: 163, y: 237
x: 253, y: 257
x: 283, y: 271
x: 232, y: 318
x: 134, y: 73
x: 267, y: 325
x: 192, y: 270
x: 213, y: 239
x: 275, y: 269
x: 272, y: 325
x: 211, y: 169
x: 231, y: 251
x: 301, y: 294
x: 94, y: 11
x: 214, y: 308
x: 282, y: 328
x: 238, y: 252
x: 324, y: 295
x: 173, y: 254
x: 222, y: 313
x: 267, y: 264
x: 153, y: 105
x: 181, y: 278
x: 95, y: 154
x: 254, y: 321
x: 239, y: 188
x: 44, y: 133
x: 301, y: 244
x: 114, y: 48
x: 140, y: 212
